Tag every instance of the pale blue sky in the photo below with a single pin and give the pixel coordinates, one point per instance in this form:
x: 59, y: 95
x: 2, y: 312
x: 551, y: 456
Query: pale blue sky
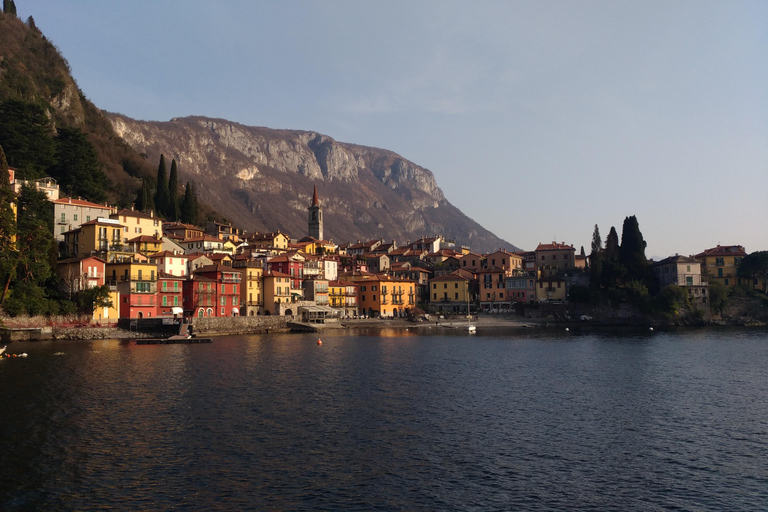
x: 539, y: 119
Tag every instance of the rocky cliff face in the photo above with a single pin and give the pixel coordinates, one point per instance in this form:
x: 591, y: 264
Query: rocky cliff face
x: 262, y: 179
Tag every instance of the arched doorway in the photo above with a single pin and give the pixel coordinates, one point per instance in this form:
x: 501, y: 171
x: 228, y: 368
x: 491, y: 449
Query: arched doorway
x: 288, y: 312
x: 141, y: 315
x: 201, y: 313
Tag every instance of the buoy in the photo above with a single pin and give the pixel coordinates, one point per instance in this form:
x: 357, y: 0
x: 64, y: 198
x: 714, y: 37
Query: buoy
x: 319, y: 341
x: 650, y: 328
x: 23, y: 354
x: 567, y: 329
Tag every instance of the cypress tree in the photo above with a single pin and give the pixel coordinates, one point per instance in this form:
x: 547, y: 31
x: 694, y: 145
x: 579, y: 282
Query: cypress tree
x: 632, y: 250
x: 162, y: 195
x: 612, y: 271
x: 173, y: 190
x: 144, y: 197
x: 596, y: 258
x: 187, y: 216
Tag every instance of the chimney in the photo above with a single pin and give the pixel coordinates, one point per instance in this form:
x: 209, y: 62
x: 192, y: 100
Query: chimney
x: 69, y: 200
x: 151, y: 213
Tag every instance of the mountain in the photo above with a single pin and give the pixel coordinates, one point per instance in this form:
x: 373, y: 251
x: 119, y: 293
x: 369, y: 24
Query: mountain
x: 258, y: 178
x: 33, y: 71
x: 262, y: 179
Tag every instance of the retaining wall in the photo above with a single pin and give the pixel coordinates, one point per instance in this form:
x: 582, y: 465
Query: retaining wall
x: 240, y: 325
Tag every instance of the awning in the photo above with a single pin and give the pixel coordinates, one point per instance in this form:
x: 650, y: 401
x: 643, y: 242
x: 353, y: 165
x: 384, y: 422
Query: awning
x: 235, y: 310
x: 177, y: 311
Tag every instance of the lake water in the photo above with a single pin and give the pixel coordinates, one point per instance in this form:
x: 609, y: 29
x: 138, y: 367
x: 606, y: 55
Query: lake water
x: 390, y: 420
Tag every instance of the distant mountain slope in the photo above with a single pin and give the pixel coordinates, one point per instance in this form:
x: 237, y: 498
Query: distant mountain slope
x: 262, y: 179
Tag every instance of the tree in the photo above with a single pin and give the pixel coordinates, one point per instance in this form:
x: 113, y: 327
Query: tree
x: 90, y: 299
x: 78, y: 169
x: 596, y: 258
x: 189, y: 205
x: 632, y: 250
x: 144, y: 201
x: 755, y: 266
x: 25, y: 134
x: 9, y: 7
x: 7, y: 227
x: 718, y: 297
x: 613, y: 271
x: 162, y: 195
x: 173, y: 193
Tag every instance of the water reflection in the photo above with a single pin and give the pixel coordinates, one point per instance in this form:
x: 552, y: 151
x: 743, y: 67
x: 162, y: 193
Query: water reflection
x: 543, y: 420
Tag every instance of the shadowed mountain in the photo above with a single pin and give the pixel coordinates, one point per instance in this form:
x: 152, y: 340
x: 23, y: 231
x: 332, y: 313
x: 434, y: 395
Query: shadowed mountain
x: 261, y: 179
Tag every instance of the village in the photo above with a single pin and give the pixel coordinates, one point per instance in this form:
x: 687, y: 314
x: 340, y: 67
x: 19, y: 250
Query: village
x: 154, y: 268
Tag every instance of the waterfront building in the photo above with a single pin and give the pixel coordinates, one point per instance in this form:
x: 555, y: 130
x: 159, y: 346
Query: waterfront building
x: 170, y: 295
x: 137, y: 284
x: 521, y: 287
x: 251, y: 286
x: 278, y: 294
x: 343, y: 295
x: 684, y: 272
x: 227, y: 292
x: 492, y: 294
x: 721, y: 263
x: 556, y: 254
x: 451, y: 293
x: 383, y: 294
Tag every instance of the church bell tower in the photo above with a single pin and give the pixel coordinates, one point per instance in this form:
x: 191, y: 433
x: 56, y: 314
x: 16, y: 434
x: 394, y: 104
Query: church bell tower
x: 315, y: 218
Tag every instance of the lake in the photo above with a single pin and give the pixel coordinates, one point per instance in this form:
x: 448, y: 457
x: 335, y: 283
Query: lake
x: 390, y: 420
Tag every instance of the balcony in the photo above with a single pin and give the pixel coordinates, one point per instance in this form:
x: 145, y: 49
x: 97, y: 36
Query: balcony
x: 137, y: 277
x: 230, y: 278
x: 93, y: 275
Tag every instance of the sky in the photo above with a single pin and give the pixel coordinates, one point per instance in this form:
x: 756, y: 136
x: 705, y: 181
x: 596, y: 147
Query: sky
x: 539, y: 119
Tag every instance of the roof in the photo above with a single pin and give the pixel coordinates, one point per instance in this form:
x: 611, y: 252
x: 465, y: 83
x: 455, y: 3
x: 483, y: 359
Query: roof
x: 456, y: 275
x: 204, y: 238
x: 80, y: 202
x: 278, y: 274
x: 94, y: 222
x: 554, y: 246
x: 723, y: 250
x: 315, y: 202
x: 216, y: 268
x: 135, y: 213
x: 166, y: 275
x: 675, y: 259
x: 168, y: 254
x: 145, y: 238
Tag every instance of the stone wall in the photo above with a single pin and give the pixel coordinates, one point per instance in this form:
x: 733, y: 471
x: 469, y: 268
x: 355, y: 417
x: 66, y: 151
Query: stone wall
x: 240, y: 325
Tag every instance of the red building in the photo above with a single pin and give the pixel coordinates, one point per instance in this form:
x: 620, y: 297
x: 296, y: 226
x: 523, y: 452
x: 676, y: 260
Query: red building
x: 214, y: 290
x: 170, y: 295
x: 291, y: 265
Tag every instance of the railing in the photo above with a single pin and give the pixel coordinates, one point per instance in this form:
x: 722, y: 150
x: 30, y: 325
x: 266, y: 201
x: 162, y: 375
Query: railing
x: 136, y: 277
x: 94, y: 275
x: 230, y: 279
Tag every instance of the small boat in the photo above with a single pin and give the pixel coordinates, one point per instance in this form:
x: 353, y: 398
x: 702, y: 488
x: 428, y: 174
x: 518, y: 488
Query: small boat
x: 3, y: 350
x: 470, y: 327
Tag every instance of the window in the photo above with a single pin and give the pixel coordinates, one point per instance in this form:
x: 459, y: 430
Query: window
x: 434, y: 296
x: 165, y: 300
x: 720, y: 272
x: 456, y: 296
x: 719, y: 262
x: 445, y: 285
x: 74, y: 217
x: 175, y: 300
x: 175, y: 286
x: 165, y: 286
x: 223, y: 301
x: 455, y: 285
x: 63, y: 217
x: 222, y: 312
x: 223, y: 288
x: 234, y: 288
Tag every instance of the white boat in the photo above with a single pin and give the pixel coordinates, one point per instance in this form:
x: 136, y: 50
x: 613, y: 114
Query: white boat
x: 471, y: 328
x: 2, y: 350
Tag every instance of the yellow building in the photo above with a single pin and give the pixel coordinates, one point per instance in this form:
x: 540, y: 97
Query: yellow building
x: 251, y: 289
x: 102, y: 237
x: 343, y: 295
x: 556, y: 254
x: 138, y: 223
x: 277, y: 292
x: 146, y: 244
x: 383, y: 295
x: 551, y: 288
x: 275, y: 240
x: 451, y: 293
x: 508, y: 261
x: 721, y: 263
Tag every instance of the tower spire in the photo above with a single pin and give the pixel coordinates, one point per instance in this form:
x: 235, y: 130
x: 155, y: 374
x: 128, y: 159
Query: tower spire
x: 314, y: 198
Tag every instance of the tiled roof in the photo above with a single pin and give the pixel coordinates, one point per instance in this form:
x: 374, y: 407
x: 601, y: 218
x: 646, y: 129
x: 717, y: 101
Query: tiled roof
x: 554, y: 246
x: 723, y: 250
x: 145, y: 238
x: 80, y: 202
x: 168, y: 254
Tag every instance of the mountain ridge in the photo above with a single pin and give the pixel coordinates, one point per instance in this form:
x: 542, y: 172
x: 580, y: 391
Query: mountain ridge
x: 366, y: 192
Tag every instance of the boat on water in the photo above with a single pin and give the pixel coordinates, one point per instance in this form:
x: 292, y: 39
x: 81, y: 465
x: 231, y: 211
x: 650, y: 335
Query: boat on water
x: 470, y: 327
x: 3, y: 350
